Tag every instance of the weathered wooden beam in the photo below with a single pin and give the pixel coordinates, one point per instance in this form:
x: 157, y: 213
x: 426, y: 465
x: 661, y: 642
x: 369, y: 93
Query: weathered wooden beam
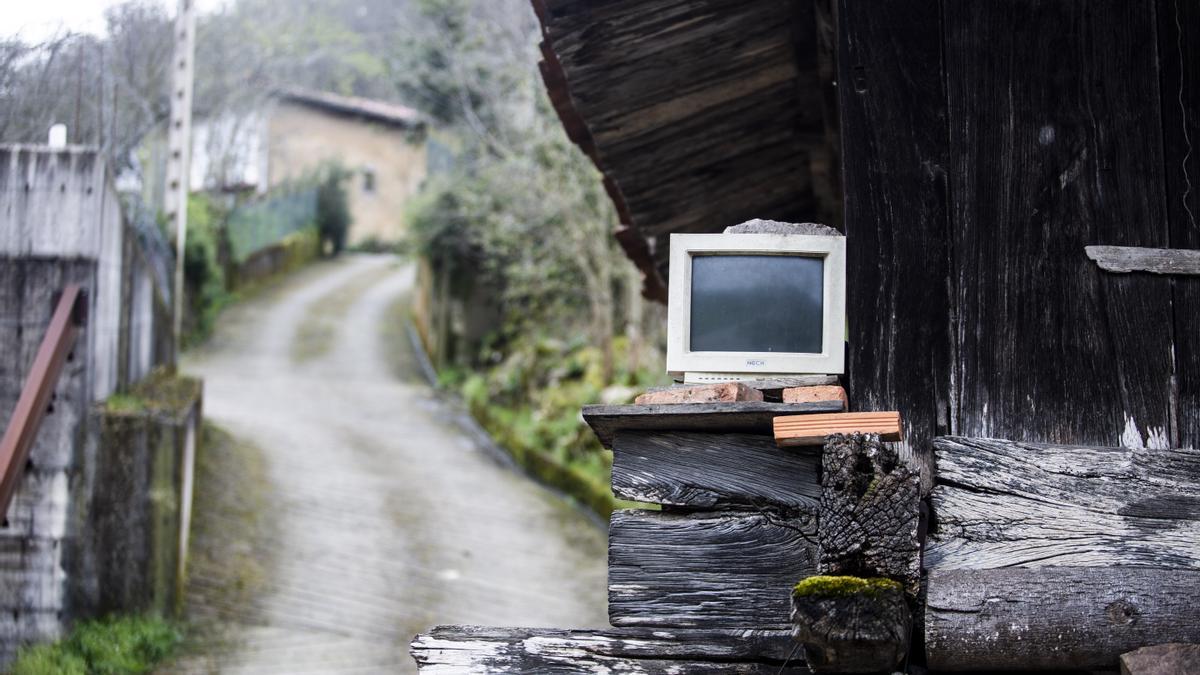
x: 870, y: 512
x: 851, y: 625
x: 698, y: 470
x: 737, y: 417
x: 1139, y: 259
x: 472, y: 649
x: 792, y: 430
x: 1058, y: 618
x: 1004, y: 504
x: 706, y: 570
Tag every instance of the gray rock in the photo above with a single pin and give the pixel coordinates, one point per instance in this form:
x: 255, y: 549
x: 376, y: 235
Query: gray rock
x: 1175, y: 658
x: 759, y: 226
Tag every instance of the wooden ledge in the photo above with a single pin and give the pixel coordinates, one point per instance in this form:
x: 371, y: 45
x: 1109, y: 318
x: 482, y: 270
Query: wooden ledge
x: 720, y: 418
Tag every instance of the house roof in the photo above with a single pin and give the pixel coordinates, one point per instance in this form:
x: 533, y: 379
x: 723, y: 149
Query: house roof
x: 355, y: 106
x: 700, y: 113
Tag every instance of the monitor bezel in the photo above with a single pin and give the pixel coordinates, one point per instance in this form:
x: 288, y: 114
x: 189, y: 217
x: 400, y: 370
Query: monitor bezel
x: 830, y: 361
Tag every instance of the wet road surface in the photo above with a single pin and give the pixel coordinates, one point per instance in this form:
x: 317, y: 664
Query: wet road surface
x: 385, y: 518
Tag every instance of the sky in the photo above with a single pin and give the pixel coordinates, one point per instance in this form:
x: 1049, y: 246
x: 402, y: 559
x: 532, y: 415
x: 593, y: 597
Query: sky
x: 35, y: 20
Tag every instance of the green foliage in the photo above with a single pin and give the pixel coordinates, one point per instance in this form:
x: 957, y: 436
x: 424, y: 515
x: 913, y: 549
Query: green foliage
x: 113, y: 646
x: 333, y: 209
x: 203, y: 273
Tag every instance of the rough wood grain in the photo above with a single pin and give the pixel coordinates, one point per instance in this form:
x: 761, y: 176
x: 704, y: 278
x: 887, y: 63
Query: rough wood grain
x: 698, y: 470
x: 1179, y: 72
x: 701, y: 393
x: 1056, y: 147
x: 870, y: 512
x: 737, y: 417
x: 1003, y: 504
x: 706, y: 570
x: 1062, y: 618
x: 792, y: 430
x: 471, y: 649
x: 890, y: 87
x: 1137, y: 259
x: 727, y: 141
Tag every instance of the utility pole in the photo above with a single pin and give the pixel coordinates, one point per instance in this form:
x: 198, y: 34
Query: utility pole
x: 179, y: 146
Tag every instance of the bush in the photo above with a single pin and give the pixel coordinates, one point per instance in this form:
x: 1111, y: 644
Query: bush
x: 112, y: 646
x: 203, y: 271
x: 333, y: 210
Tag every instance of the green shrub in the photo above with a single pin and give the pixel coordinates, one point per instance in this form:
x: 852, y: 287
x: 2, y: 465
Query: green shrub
x: 112, y: 646
x: 333, y: 209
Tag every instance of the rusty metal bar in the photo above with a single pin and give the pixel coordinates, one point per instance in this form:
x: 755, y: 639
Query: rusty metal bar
x: 35, y: 395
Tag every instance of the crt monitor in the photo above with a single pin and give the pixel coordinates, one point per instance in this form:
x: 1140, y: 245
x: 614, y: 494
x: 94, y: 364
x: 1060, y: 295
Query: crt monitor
x: 751, y: 306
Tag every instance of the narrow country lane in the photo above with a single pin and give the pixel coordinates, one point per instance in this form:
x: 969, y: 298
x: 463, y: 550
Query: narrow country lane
x: 384, y: 516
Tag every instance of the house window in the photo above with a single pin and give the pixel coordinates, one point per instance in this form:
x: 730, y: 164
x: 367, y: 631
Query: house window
x: 368, y: 180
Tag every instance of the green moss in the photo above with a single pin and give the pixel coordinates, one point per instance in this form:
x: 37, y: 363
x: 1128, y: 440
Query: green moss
x: 125, y: 403
x: 111, y: 646
x: 842, y: 587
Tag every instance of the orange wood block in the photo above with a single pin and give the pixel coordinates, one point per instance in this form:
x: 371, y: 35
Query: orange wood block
x: 703, y: 393
x: 828, y: 392
x: 812, y: 429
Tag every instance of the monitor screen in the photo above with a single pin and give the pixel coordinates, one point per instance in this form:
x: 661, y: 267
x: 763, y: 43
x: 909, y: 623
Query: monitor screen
x: 757, y: 303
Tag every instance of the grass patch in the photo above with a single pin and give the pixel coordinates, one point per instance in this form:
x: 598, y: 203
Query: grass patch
x: 112, y: 646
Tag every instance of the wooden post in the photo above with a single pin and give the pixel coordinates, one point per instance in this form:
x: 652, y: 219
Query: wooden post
x: 870, y: 512
x: 851, y: 625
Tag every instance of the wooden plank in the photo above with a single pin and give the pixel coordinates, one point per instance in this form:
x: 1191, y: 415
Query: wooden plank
x: 1054, y: 618
x: 1004, y: 504
x: 737, y: 417
x: 890, y: 87
x: 706, y: 570
x: 1140, y: 259
x: 699, y: 470
x: 1054, y: 123
x: 458, y: 649
x: 1179, y: 70
x: 792, y: 430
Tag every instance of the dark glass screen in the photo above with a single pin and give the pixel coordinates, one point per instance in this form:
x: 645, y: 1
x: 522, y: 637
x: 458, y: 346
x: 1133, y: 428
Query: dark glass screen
x: 757, y: 303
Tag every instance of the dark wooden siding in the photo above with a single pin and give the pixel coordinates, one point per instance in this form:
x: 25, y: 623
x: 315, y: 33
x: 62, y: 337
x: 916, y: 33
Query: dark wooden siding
x: 984, y: 145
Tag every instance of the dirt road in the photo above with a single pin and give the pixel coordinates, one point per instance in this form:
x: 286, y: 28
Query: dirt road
x: 384, y: 517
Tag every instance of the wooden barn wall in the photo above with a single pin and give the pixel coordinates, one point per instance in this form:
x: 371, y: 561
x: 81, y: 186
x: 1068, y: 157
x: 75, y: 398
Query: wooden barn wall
x: 984, y: 146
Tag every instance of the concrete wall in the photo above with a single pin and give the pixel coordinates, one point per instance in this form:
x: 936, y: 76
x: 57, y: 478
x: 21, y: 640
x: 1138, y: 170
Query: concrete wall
x: 301, y: 139
x: 61, y: 223
x: 41, y: 527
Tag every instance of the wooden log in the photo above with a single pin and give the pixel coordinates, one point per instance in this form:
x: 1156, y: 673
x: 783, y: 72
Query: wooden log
x: 458, y: 649
x: 697, y: 470
x: 702, y: 393
x: 1055, y: 618
x: 792, y: 430
x: 828, y: 392
x: 851, y: 625
x: 1141, y: 259
x: 739, y: 417
x: 1004, y: 504
x: 870, y: 512
x: 706, y: 570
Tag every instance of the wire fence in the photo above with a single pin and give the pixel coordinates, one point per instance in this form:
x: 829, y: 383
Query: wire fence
x: 256, y: 225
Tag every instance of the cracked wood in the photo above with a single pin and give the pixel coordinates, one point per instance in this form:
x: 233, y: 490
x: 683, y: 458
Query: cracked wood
x: 1063, y: 618
x: 457, y: 649
x: 706, y: 570
x: 698, y: 470
x: 1003, y: 504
